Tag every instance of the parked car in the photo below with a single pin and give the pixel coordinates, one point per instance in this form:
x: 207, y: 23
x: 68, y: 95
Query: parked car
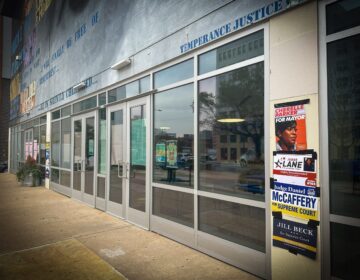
x: 247, y: 157
x: 250, y: 157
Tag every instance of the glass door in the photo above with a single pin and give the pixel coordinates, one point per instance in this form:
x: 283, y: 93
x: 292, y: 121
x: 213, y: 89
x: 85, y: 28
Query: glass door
x: 117, y: 169
x: 138, y: 155
x: 28, y: 143
x: 84, y: 132
x: 128, y: 187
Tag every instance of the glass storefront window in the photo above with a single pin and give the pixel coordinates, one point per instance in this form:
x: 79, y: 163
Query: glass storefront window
x: 129, y: 90
x: 232, y: 104
x: 240, y: 50
x: 55, y: 143
x: 85, y: 104
x: 242, y: 224
x: 102, y: 99
x: 102, y: 142
x: 342, y: 15
x: 55, y: 115
x: 66, y: 143
x: 65, y: 178
x: 36, y: 142
x: 174, y: 137
x: 174, y: 206
x: 22, y: 146
x: 345, y: 248
x: 43, y: 120
x: 116, y: 94
x: 66, y: 111
x: 42, y: 144
x: 175, y: 73
x: 145, y: 84
x: 55, y: 176
x: 344, y: 123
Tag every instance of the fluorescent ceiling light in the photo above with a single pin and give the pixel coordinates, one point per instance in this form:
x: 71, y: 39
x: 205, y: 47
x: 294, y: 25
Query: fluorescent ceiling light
x: 164, y: 128
x: 231, y: 120
x: 79, y: 86
x: 121, y: 64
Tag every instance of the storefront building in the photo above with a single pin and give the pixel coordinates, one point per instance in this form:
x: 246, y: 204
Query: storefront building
x: 169, y: 114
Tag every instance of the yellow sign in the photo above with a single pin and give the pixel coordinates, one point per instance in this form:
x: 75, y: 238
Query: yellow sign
x: 295, y: 211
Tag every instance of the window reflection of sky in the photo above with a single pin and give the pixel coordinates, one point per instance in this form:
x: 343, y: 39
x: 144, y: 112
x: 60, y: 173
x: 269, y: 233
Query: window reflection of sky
x: 174, y: 110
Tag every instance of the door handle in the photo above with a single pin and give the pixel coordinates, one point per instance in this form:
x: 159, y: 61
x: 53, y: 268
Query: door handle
x: 78, y: 166
x: 123, y: 164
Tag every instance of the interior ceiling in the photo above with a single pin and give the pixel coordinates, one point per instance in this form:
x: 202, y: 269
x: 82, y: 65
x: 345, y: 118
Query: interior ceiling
x: 11, y: 8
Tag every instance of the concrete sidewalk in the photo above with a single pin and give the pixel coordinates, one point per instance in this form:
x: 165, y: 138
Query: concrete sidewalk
x: 44, y: 235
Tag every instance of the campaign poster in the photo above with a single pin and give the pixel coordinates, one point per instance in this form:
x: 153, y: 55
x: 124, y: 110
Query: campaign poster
x: 171, y: 154
x: 290, y: 127
x: 296, y: 165
x: 160, y: 155
x: 296, y: 237
x: 295, y: 192
x: 296, y: 205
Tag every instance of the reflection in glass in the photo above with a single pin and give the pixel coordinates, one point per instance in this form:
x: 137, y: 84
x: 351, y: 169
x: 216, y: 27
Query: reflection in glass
x: 42, y: 144
x: 65, y: 178
x: 242, y: 224
x: 55, y: 175
x: 22, y: 146
x: 238, y: 94
x: 100, y: 187
x: 175, y: 73
x: 102, y: 99
x: 55, y: 115
x: 137, y: 196
x: 145, y: 84
x: 66, y: 143
x: 36, y: 140
x: 77, y: 155
x: 245, y: 48
x: 131, y: 89
x: 174, y: 206
x: 174, y: 136
x: 89, y: 156
x: 345, y: 248
x: 85, y: 104
x: 116, y: 94
x: 102, y: 142
x: 116, y: 156
x: 343, y: 67
x: 66, y: 111
x: 55, y: 143
x: 43, y: 119
x: 342, y: 15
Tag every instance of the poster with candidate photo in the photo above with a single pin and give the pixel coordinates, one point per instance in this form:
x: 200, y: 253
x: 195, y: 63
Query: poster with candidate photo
x: 294, y: 191
x: 290, y: 126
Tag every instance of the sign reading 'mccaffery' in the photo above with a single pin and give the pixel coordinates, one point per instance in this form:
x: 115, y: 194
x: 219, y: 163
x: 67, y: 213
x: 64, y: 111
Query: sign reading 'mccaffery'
x: 258, y: 14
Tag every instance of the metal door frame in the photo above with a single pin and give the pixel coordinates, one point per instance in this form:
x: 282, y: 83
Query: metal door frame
x: 123, y: 210
x: 139, y: 218
x: 114, y: 208
x: 81, y: 195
